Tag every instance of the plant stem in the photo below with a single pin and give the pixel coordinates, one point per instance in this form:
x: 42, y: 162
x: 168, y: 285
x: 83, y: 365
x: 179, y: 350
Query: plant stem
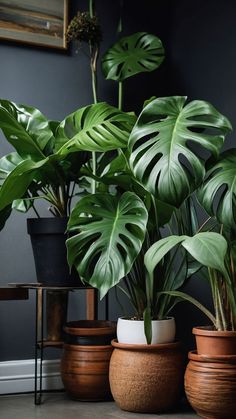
x: 120, y: 96
x: 91, y: 8
x: 36, y: 212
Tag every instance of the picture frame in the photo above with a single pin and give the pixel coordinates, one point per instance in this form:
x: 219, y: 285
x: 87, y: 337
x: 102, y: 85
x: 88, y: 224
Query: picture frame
x: 34, y: 22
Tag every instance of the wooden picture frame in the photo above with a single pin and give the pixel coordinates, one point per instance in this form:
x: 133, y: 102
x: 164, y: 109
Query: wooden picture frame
x: 35, y: 22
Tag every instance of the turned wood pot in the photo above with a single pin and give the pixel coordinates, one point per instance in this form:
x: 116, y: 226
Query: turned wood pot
x: 213, y: 342
x: 210, y: 385
x: 146, y: 378
x: 85, y: 359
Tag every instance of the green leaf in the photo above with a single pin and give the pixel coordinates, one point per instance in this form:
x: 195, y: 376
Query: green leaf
x: 22, y: 205
x: 9, y: 163
x: 158, y: 250
x: 161, y: 144
x: 18, y: 180
x: 138, y: 53
x: 4, y: 215
x: 209, y: 249
x: 218, y: 193
x: 110, y: 232
x: 179, y: 295
x: 25, y: 128
x: 98, y: 127
x: 148, y: 325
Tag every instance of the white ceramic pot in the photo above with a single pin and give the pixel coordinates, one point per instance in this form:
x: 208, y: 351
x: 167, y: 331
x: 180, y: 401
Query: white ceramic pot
x: 132, y: 331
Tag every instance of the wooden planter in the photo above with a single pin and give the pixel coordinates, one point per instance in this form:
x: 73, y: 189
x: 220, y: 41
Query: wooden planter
x: 85, y: 359
x: 146, y: 378
x: 210, y: 385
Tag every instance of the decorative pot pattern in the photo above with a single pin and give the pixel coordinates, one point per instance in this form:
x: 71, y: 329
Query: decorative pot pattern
x: 213, y: 342
x: 146, y: 378
x: 210, y: 385
x: 132, y: 331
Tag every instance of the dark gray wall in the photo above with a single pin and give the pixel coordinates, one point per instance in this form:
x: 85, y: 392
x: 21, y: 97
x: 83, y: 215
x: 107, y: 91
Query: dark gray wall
x: 199, y: 38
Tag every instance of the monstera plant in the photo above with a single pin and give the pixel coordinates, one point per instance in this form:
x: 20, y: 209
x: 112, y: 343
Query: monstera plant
x: 163, y: 166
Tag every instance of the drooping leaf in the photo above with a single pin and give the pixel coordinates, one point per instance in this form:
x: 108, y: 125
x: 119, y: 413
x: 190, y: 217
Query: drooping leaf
x: 98, y: 127
x: 161, y: 145
x: 158, y: 250
x: 218, y: 193
x: 9, y: 163
x: 4, y: 215
x: 26, y: 128
x: 209, y: 249
x: 22, y: 205
x: 182, y: 296
x: 138, y: 53
x: 109, y: 232
x: 18, y: 180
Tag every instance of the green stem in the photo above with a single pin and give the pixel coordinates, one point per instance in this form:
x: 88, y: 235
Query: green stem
x: 120, y: 95
x: 91, y: 8
x: 36, y: 212
x: 221, y: 310
x: 94, y: 168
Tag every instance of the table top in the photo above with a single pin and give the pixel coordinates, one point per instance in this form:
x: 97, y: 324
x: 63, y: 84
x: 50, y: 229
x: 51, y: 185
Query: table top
x: 38, y: 285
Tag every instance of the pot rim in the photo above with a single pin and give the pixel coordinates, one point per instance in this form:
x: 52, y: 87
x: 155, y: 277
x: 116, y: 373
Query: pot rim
x: 123, y: 318
x: 146, y: 347
x: 208, y: 331
x: 194, y: 356
x: 87, y: 348
x: 83, y: 328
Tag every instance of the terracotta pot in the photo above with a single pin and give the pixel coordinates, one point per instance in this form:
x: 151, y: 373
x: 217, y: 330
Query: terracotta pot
x: 146, y: 378
x: 132, y: 331
x: 85, y: 367
x: 212, y: 342
x: 210, y: 385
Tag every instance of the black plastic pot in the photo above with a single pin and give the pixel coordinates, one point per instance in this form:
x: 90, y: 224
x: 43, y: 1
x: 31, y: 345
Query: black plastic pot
x: 48, y: 239
x: 90, y: 332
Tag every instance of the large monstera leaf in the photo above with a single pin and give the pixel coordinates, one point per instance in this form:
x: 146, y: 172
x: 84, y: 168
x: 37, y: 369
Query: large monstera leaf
x: 98, y: 127
x: 26, y: 128
x: 162, y: 143
x: 108, y: 233
x: 138, y: 53
x: 218, y: 193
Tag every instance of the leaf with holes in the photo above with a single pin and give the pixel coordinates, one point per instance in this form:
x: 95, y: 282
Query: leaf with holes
x: 98, y: 127
x: 108, y: 233
x: 161, y: 145
x: 138, y: 53
x: 218, y: 193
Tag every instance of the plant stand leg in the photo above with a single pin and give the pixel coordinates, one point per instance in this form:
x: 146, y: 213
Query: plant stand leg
x: 91, y: 304
x: 38, y: 346
x: 56, y: 314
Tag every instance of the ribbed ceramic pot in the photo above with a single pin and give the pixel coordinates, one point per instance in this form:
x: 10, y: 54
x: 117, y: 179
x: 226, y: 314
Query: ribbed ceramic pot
x: 146, y: 378
x: 132, y: 331
x: 210, y: 385
x: 213, y: 342
x: 85, y: 359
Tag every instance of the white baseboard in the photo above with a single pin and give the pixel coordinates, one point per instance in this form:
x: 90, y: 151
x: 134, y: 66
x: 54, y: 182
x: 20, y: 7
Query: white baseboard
x: 18, y: 376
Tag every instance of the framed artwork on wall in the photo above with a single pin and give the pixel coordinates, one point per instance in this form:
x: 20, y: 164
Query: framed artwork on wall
x: 37, y: 22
